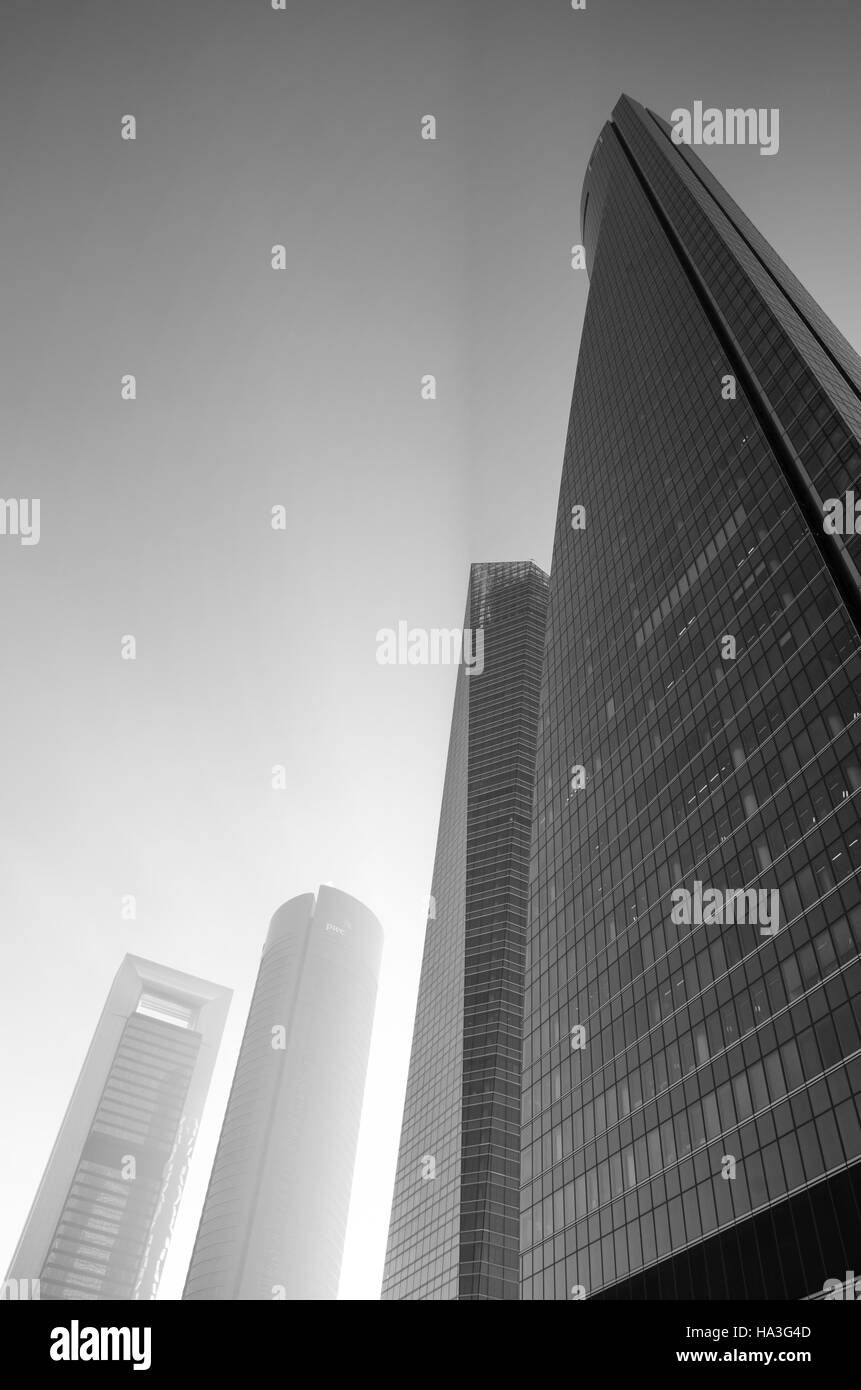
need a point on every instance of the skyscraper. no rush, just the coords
(453, 1231)
(275, 1213)
(102, 1218)
(691, 1124)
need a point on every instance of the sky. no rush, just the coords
(301, 388)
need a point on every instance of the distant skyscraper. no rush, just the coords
(276, 1209)
(454, 1224)
(102, 1218)
(703, 669)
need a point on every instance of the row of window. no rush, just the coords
(815, 1132)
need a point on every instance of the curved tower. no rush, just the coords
(275, 1212)
(692, 1081)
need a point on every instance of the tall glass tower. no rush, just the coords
(691, 1123)
(275, 1213)
(453, 1231)
(101, 1221)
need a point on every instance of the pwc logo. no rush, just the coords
(338, 931)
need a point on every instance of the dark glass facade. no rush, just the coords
(710, 1042)
(454, 1223)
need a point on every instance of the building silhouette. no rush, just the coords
(102, 1218)
(454, 1222)
(275, 1213)
(699, 1138)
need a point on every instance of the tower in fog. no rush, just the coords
(454, 1222)
(275, 1213)
(102, 1218)
(691, 1122)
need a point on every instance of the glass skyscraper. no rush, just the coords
(102, 1219)
(691, 1090)
(454, 1223)
(275, 1213)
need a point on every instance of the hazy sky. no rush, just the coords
(301, 388)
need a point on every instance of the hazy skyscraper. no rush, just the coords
(276, 1208)
(692, 1076)
(453, 1232)
(102, 1218)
